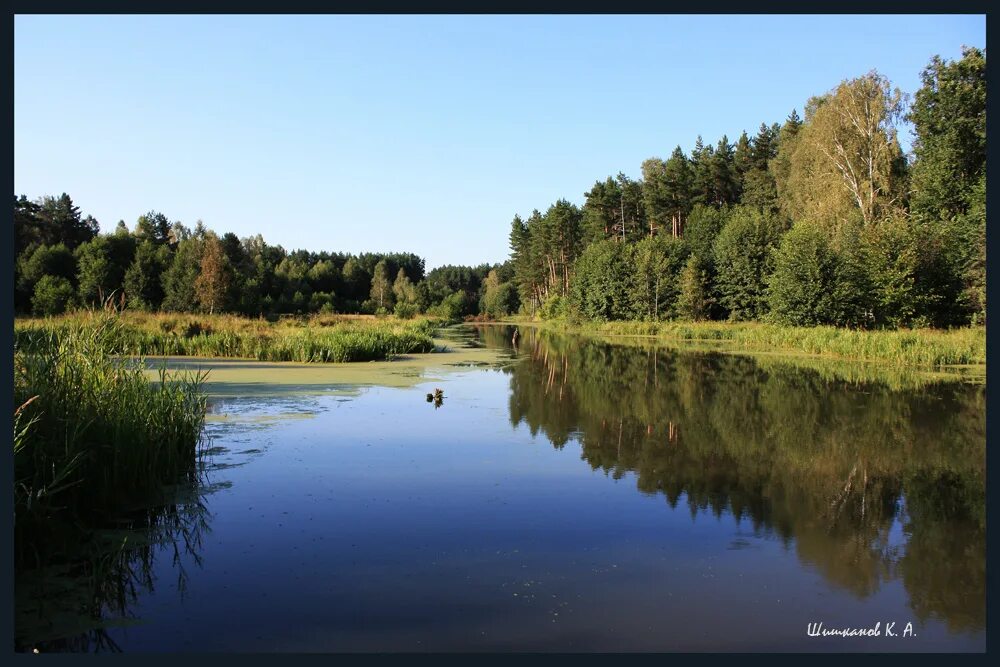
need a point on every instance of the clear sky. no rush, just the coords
(423, 134)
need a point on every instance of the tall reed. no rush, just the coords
(93, 437)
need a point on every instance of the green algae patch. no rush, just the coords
(244, 378)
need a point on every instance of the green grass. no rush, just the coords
(93, 437)
(918, 347)
(317, 339)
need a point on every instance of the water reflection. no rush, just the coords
(72, 597)
(868, 479)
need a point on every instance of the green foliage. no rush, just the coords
(381, 291)
(214, 282)
(52, 295)
(208, 336)
(143, 288)
(845, 161)
(453, 307)
(94, 437)
(49, 260)
(404, 310)
(743, 259)
(656, 265)
(178, 279)
(602, 288)
(949, 120)
(913, 284)
(702, 228)
(906, 347)
(499, 298)
(694, 294)
(810, 284)
(101, 266)
(555, 307)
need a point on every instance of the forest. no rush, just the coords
(819, 219)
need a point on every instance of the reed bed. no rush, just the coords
(93, 437)
(320, 339)
(918, 347)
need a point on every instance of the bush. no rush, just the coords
(912, 280)
(555, 307)
(405, 311)
(52, 295)
(805, 274)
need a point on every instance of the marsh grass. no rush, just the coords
(92, 435)
(317, 339)
(98, 447)
(917, 347)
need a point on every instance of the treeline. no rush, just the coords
(63, 262)
(818, 220)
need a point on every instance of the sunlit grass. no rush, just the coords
(920, 347)
(92, 435)
(323, 338)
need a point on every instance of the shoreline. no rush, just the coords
(918, 349)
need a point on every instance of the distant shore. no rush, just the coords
(965, 346)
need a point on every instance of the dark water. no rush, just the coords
(578, 496)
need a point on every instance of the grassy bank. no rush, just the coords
(918, 347)
(314, 339)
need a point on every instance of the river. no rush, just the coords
(567, 494)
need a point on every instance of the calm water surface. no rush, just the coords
(574, 495)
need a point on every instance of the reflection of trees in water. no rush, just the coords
(71, 601)
(804, 456)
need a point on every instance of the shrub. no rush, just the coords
(52, 295)
(405, 311)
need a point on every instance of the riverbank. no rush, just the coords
(911, 347)
(321, 338)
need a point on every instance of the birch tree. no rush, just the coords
(846, 161)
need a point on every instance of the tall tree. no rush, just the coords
(179, 278)
(702, 182)
(143, 289)
(846, 160)
(153, 227)
(724, 177)
(948, 178)
(212, 285)
(743, 158)
(403, 289)
(603, 209)
(381, 290)
(949, 123)
(61, 219)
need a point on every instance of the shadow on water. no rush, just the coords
(866, 481)
(69, 598)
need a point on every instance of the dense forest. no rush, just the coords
(63, 262)
(817, 220)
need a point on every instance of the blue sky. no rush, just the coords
(423, 134)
